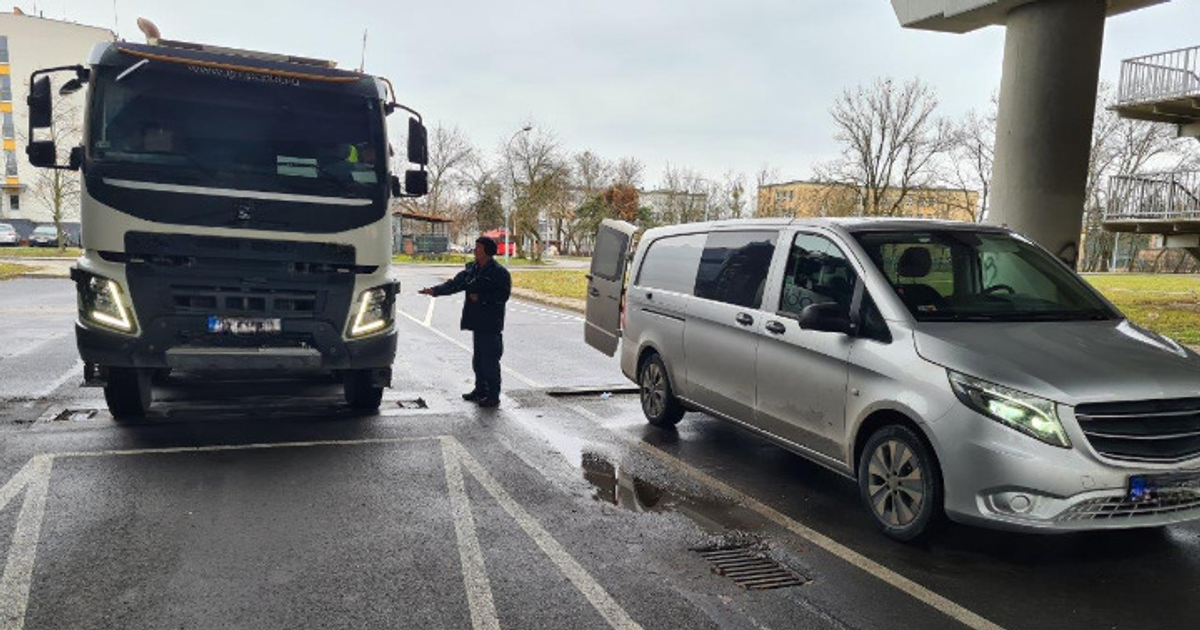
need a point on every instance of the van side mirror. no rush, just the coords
(826, 318)
(418, 143)
(39, 102)
(416, 183)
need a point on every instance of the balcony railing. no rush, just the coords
(1154, 197)
(1159, 77)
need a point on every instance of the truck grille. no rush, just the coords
(240, 301)
(1145, 431)
(1109, 508)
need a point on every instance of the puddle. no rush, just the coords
(613, 485)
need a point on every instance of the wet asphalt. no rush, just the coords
(265, 503)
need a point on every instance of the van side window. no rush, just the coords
(670, 263)
(816, 273)
(734, 266)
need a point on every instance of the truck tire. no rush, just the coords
(360, 390)
(128, 392)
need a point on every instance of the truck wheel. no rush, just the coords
(360, 390)
(900, 483)
(128, 392)
(659, 404)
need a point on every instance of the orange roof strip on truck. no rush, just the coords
(229, 66)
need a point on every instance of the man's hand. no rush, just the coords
(426, 291)
(474, 297)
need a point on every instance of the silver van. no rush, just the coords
(951, 369)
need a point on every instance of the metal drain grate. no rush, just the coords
(74, 415)
(413, 403)
(750, 569)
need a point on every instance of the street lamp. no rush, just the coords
(508, 209)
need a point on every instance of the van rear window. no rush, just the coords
(670, 263)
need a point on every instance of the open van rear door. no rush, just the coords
(606, 285)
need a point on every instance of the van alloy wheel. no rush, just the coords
(659, 404)
(896, 483)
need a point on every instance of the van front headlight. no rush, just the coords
(103, 302)
(1033, 416)
(376, 310)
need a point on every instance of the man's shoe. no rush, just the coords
(489, 402)
(472, 396)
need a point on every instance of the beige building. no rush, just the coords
(29, 43)
(820, 199)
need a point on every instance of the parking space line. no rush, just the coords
(76, 370)
(520, 377)
(922, 594)
(429, 313)
(241, 447)
(570, 568)
(18, 570)
(475, 578)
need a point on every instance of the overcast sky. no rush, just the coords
(697, 83)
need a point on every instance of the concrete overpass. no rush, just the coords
(1047, 101)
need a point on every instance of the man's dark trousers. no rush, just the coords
(488, 348)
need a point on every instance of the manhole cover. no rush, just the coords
(750, 569)
(74, 415)
(413, 403)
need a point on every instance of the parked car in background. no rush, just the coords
(44, 236)
(949, 368)
(9, 236)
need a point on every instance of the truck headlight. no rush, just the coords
(103, 302)
(1033, 416)
(376, 309)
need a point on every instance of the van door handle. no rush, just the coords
(594, 292)
(649, 295)
(744, 319)
(776, 327)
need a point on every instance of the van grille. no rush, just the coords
(1145, 431)
(1109, 508)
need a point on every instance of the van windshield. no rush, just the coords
(951, 275)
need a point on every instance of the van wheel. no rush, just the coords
(659, 403)
(361, 393)
(128, 392)
(900, 483)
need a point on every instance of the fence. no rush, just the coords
(1161, 76)
(1172, 196)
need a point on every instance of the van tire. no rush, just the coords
(659, 404)
(897, 473)
(128, 392)
(360, 390)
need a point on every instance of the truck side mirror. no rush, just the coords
(42, 153)
(418, 143)
(39, 104)
(76, 159)
(70, 87)
(416, 183)
(397, 191)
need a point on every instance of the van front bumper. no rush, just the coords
(999, 478)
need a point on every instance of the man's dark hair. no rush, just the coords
(489, 246)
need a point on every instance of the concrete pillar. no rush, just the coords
(1044, 125)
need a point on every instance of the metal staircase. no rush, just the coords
(1165, 88)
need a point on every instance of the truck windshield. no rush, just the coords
(253, 135)
(951, 275)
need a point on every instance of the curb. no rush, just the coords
(578, 306)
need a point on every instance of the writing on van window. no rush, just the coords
(670, 263)
(816, 273)
(733, 267)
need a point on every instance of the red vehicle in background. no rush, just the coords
(504, 246)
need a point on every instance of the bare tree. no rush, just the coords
(1120, 146)
(59, 189)
(629, 172)
(539, 177)
(451, 154)
(687, 195)
(733, 195)
(764, 201)
(890, 140)
(971, 158)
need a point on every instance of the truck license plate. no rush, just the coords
(243, 325)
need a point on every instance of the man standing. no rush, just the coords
(487, 285)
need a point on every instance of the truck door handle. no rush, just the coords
(744, 319)
(594, 292)
(776, 327)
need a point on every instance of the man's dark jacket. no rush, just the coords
(492, 284)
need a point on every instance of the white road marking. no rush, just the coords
(429, 313)
(75, 371)
(475, 578)
(916, 591)
(520, 377)
(570, 568)
(240, 447)
(18, 570)
(16, 484)
(540, 309)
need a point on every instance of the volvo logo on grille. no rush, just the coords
(243, 210)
